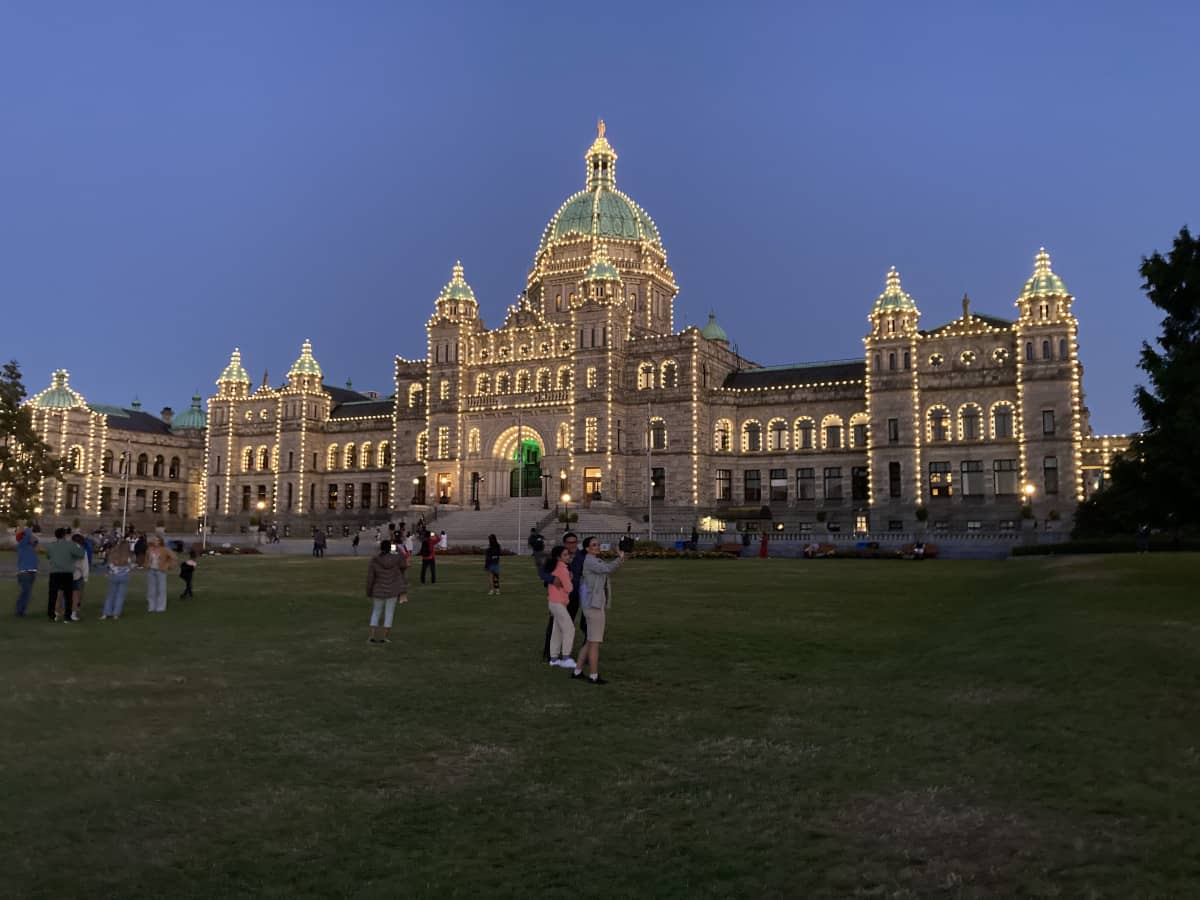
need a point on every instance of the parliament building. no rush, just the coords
(589, 388)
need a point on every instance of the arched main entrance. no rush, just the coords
(522, 448)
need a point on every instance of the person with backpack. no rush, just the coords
(491, 564)
(429, 557)
(537, 546)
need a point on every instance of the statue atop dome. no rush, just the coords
(599, 128)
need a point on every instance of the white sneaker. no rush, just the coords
(554, 663)
(74, 617)
(567, 663)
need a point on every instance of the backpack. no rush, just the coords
(537, 543)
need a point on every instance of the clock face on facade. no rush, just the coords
(937, 360)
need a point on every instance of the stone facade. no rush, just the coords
(587, 389)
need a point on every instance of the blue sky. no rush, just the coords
(177, 179)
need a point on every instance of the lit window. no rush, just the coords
(940, 479)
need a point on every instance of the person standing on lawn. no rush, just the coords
(119, 559)
(387, 585)
(558, 591)
(61, 556)
(79, 576)
(596, 597)
(575, 567)
(491, 564)
(27, 567)
(429, 557)
(187, 572)
(159, 561)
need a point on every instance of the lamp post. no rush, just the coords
(546, 476)
(416, 483)
(566, 499)
(37, 514)
(261, 505)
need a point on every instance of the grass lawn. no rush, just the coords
(772, 729)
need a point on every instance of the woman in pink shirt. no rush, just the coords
(562, 638)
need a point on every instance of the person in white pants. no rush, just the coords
(386, 585)
(159, 560)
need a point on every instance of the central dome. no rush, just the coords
(601, 210)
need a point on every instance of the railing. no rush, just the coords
(493, 401)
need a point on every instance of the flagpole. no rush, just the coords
(649, 475)
(520, 474)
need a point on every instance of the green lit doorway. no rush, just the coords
(525, 479)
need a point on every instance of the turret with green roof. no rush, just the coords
(59, 395)
(192, 417)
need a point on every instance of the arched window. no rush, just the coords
(723, 436)
(483, 384)
(385, 454)
(670, 374)
(1002, 419)
(503, 383)
(522, 381)
(658, 434)
(777, 435)
(859, 424)
(473, 442)
(174, 471)
(1045, 349)
(366, 456)
(332, 457)
(564, 378)
(562, 437)
(831, 433)
(892, 362)
(416, 394)
(543, 379)
(752, 436)
(264, 459)
(907, 359)
(970, 422)
(645, 376)
(937, 424)
(106, 462)
(1062, 348)
(1029, 350)
(248, 459)
(160, 466)
(878, 364)
(75, 459)
(423, 446)
(350, 455)
(804, 434)
(143, 464)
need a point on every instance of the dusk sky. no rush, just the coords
(179, 179)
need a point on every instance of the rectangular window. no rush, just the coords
(381, 494)
(658, 484)
(333, 497)
(173, 503)
(806, 436)
(591, 430)
(893, 431)
(444, 390)
(365, 500)
(314, 462)
(443, 447)
(1002, 422)
(833, 483)
(245, 497)
(972, 477)
(860, 435)
(833, 437)
(291, 491)
(806, 485)
(139, 500)
(895, 524)
(724, 484)
(974, 525)
(218, 472)
(1004, 477)
(291, 461)
(940, 479)
(156, 501)
(72, 501)
(105, 499)
(893, 479)
(752, 485)
(1047, 421)
(350, 496)
(860, 484)
(1050, 474)
(779, 484)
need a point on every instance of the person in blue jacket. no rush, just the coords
(27, 567)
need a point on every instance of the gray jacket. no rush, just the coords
(596, 592)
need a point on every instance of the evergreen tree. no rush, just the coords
(1158, 481)
(25, 459)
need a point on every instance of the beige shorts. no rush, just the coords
(595, 624)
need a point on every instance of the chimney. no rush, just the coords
(167, 414)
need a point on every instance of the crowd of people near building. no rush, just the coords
(73, 558)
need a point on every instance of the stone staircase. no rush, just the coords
(510, 521)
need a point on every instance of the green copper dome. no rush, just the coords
(713, 331)
(306, 364)
(59, 395)
(601, 268)
(458, 289)
(1043, 282)
(893, 298)
(234, 371)
(192, 417)
(601, 210)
